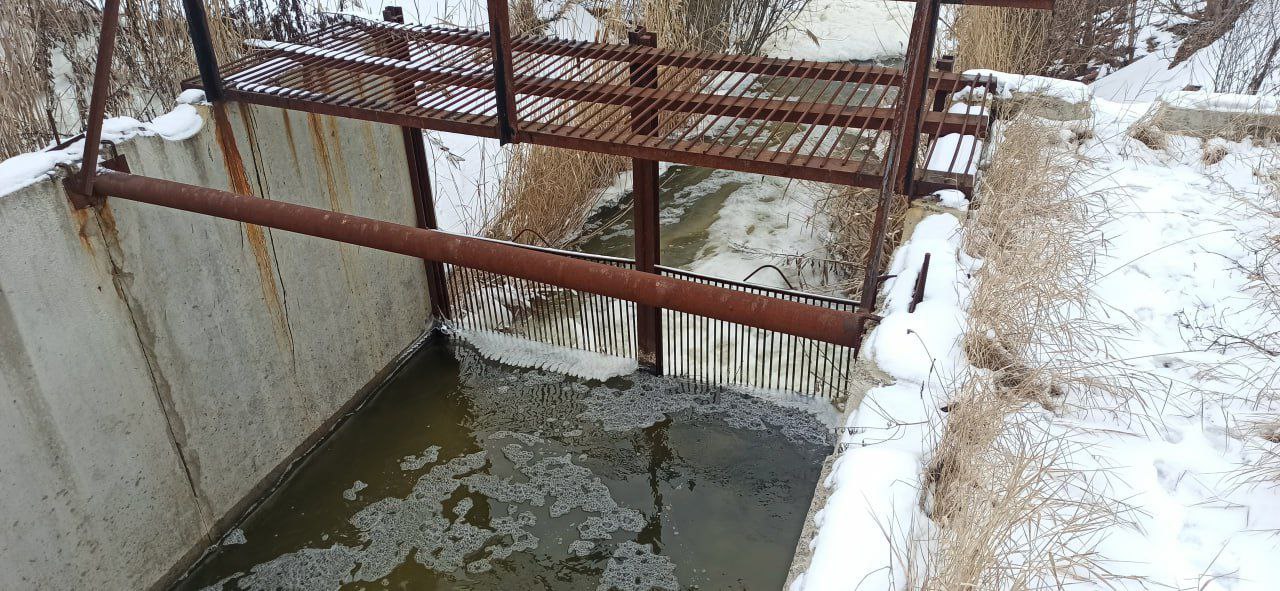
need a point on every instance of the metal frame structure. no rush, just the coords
(633, 100)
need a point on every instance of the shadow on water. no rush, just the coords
(465, 474)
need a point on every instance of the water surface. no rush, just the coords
(465, 474)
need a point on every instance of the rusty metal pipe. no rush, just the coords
(98, 96)
(802, 320)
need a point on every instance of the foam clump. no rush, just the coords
(634, 567)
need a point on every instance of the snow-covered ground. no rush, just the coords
(1171, 453)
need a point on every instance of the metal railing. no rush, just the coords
(701, 349)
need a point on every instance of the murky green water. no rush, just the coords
(464, 474)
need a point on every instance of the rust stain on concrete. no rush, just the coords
(81, 218)
(257, 237)
(316, 126)
(288, 134)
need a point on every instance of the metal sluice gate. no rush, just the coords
(702, 349)
(900, 131)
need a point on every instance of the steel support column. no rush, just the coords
(80, 190)
(914, 93)
(899, 162)
(504, 86)
(202, 41)
(644, 195)
(424, 207)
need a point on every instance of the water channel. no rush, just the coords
(464, 474)
(461, 473)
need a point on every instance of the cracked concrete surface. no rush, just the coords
(157, 366)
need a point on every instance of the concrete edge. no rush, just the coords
(273, 479)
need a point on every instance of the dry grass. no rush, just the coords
(1013, 508)
(47, 51)
(848, 213)
(550, 191)
(1035, 229)
(1077, 37)
(1004, 39)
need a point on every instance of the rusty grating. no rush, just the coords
(723, 111)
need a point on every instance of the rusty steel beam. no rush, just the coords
(802, 320)
(98, 99)
(504, 92)
(899, 159)
(818, 168)
(424, 205)
(645, 207)
(911, 99)
(202, 45)
(743, 64)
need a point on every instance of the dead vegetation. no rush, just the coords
(1076, 38)
(47, 50)
(1013, 509)
(847, 214)
(550, 191)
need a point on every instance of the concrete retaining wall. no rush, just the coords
(158, 367)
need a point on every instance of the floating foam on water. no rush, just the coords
(521, 352)
(234, 537)
(350, 493)
(416, 462)
(634, 567)
(438, 525)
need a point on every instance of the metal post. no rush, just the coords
(202, 42)
(946, 63)
(644, 194)
(424, 207)
(504, 87)
(915, 88)
(899, 162)
(83, 197)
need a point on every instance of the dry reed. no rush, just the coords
(1012, 507)
(1004, 39)
(47, 50)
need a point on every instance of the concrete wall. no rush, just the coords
(157, 367)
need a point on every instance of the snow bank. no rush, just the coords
(955, 153)
(179, 124)
(866, 524)
(1007, 85)
(1223, 102)
(842, 30)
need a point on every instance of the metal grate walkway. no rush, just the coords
(817, 121)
